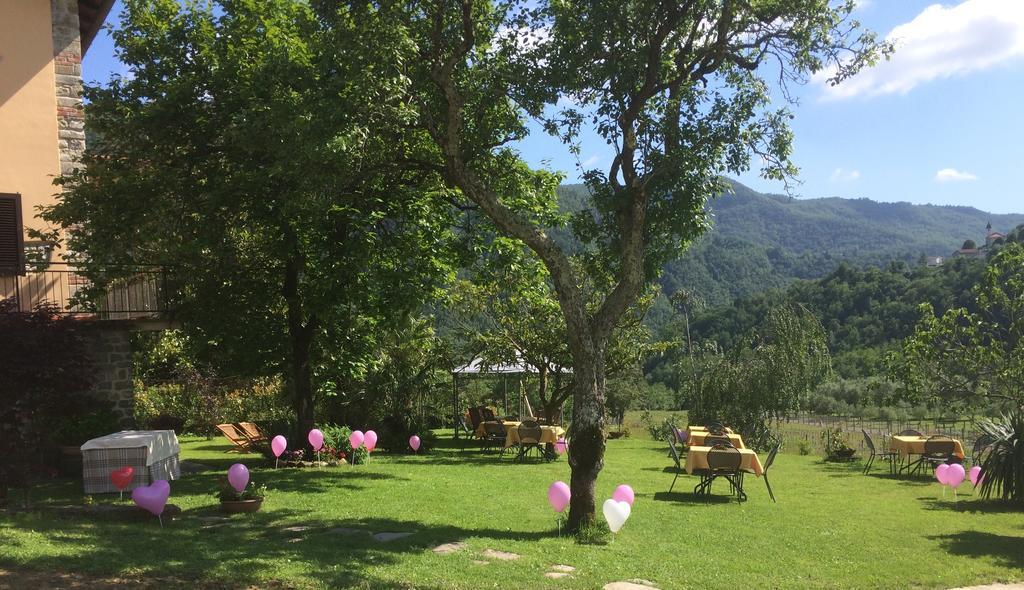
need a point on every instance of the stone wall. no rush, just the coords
(67, 64)
(111, 351)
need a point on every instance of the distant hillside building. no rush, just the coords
(991, 238)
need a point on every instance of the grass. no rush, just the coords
(832, 528)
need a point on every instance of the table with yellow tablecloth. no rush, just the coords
(693, 428)
(697, 437)
(549, 435)
(697, 460)
(480, 433)
(906, 446)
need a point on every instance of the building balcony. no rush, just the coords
(89, 292)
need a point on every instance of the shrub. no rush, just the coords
(47, 376)
(836, 447)
(76, 430)
(1002, 461)
(660, 431)
(803, 447)
(195, 408)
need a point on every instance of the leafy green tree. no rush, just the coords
(968, 245)
(969, 359)
(506, 310)
(252, 152)
(770, 376)
(681, 91)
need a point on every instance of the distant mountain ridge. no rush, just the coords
(762, 241)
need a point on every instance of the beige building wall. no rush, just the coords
(29, 152)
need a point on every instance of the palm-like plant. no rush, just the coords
(1002, 462)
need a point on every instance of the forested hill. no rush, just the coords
(764, 241)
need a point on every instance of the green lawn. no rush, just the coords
(832, 527)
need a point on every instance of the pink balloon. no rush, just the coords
(955, 475)
(152, 498)
(238, 477)
(355, 439)
(316, 439)
(940, 473)
(561, 446)
(414, 442)
(370, 440)
(278, 444)
(975, 475)
(623, 493)
(558, 495)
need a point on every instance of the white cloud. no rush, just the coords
(589, 162)
(953, 175)
(940, 42)
(841, 175)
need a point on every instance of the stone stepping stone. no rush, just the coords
(556, 575)
(214, 525)
(479, 562)
(386, 537)
(297, 529)
(450, 547)
(502, 555)
(563, 568)
(630, 585)
(296, 539)
(213, 519)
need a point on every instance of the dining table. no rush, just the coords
(697, 437)
(697, 460)
(906, 447)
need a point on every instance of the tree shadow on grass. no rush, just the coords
(1007, 550)
(337, 553)
(969, 503)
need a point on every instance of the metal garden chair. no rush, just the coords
(889, 456)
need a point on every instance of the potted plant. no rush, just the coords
(248, 500)
(836, 448)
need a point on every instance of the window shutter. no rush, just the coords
(12, 240)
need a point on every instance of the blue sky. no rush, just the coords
(940, 123)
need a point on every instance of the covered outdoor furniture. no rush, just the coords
(889, 456)
(726, 462)
(153, 454)
(697, 460)
(236, 436)
(906, 447)
(549, 435)
(699, 437)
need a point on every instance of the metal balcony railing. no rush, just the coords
(89, 291)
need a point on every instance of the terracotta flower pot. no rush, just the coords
(236, 506)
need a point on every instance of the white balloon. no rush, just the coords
(615, 513)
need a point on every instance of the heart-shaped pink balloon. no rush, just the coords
(152, 498)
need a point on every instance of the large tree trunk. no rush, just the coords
(586, 450)
(300, 336)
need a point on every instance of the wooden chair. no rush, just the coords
(476, 416)
(236, 436)
(254, 433)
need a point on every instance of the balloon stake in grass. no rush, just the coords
(955, 476)
(122, 478)
(616, 513)
(316, 440)
(370, 442)
(559, 496)
(277, 446)
(355, 440)
(153, 498)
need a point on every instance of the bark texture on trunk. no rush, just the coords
(587, 443)
(300, 336)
